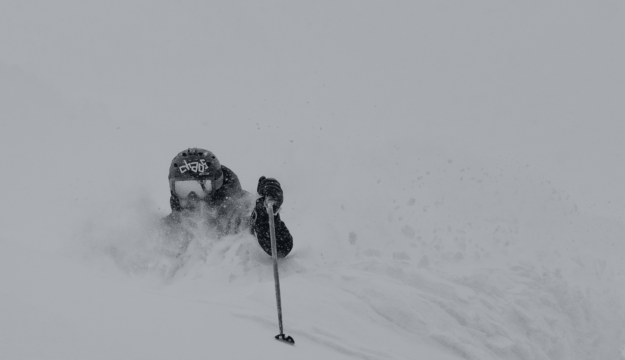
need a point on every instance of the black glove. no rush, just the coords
(268, 187)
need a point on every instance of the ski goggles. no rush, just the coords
(184, 188)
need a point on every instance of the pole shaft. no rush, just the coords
(274, 255)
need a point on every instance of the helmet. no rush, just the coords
(196, 164)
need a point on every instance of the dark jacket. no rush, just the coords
(232, 210)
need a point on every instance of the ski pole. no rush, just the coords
(274, 254)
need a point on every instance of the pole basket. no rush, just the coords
(285, 339)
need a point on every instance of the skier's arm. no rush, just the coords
(260, 228)
(268, 187)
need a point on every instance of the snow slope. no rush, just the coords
(485, 265)
(451, 179)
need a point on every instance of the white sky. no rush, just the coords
(108, 92)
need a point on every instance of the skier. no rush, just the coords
(203, 188)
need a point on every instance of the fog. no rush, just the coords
(346, 103)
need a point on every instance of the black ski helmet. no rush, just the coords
(198, 164)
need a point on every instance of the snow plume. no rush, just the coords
(478, 257)
(127, 235)
(471, 259)
(132, 239)
(484, 258)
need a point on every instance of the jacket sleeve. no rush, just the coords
(260, 228)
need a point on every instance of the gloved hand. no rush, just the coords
(269, 187)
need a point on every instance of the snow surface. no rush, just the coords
(451, 172)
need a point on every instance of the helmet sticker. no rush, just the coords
(197, 167)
